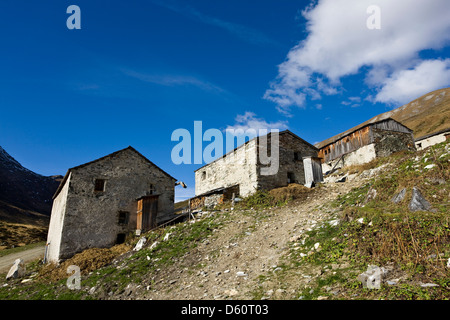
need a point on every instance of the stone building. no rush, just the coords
(432, 139)
(241, 169)
(98, 203)
(377, 137)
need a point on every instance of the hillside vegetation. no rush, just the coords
(290, 243)
(427, 114)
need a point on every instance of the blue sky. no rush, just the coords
(138, 70)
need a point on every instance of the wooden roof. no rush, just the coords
(376, 119)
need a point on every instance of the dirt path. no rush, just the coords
(247, 247)
(28, 255)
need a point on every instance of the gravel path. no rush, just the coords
(28, 255)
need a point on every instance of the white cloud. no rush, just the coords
(249, 120)
(339, 44)
(406, 85)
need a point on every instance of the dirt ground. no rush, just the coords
(239, 253)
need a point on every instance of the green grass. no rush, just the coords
(136, 268)
(20, 249)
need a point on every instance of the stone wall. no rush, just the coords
(243, 167)
(236, 167)
(388, 142)
(291, 153)
(92, 218)
(430, 141)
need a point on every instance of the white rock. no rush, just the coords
(166, 237)
(154, 245)
(430, 166)
(140, 244)
(241, 274)
(334, 223)
(316, 246)
(360, 220)
(231, 292)
(448, 263)
(428, 285)
(17, 270)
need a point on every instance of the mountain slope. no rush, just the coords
(25, 196)
(428, 114)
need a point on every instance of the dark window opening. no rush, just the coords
(123, 217)
(290, 177)
(296, 155)
(99, 185)
(120, 238)
(419, 145)
(152, 189)
(203, 175)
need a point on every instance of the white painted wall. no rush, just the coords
(428, 142)
(362, 155)
(57, 222)
(237, 167)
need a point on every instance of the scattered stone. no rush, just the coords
(226, 271)
(316, 246)
(153, 246)
(430, 166)
(448, 263)
(428, 285)
(231, 292)
(393, 282)
(372, 277)
(140, 244)
(418, 202)
(322, 298)
(17, 270)
(241, 274)
(360, 220)
(334, 223)
(371, 195)
(399, 196)
(343, 179)
(166, 237)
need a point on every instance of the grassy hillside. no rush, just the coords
(290, 243)
(427, 114)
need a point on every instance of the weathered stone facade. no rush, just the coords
(243, 166)
(83, 217)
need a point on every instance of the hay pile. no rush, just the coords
(293, 191)
(88, 260)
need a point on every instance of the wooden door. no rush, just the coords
(146, 213)
(139, 214)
